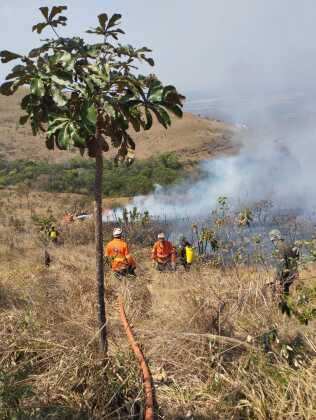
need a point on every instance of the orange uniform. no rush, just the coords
(163, 252)
(117, 249)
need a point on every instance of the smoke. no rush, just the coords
(276, 160)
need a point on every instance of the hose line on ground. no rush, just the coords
(149, 409)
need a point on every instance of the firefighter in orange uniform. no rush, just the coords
(116, 252)
(164, 254)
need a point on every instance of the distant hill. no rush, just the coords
(193, 138)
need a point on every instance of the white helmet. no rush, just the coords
(117, 232)
(161, 235)
(275, 235)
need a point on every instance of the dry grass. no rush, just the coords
(192, 138)
(201, 333)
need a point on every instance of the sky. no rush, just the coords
(202, 46)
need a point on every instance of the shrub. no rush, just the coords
(77, 175)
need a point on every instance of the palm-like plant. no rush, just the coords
(88, 96)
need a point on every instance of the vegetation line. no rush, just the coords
(149, 410)
(77, 175)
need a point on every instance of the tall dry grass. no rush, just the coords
(216, 342)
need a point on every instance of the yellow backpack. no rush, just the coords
(189, 253)
(53, 234)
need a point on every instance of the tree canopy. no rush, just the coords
(74, 86)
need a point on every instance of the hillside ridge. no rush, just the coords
(193, 138)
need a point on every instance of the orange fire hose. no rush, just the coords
(149, 409)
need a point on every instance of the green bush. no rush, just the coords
(77, 175)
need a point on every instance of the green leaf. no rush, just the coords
(7, 56)
(143, 50)
(55, 124)
(93, 50)
(90, 114)
(162, 116)
(78, 140)
(56, 10)
(17, 71)
(155, 91)
(25, 101)
(44, 11)
(59, 97)
(149, 118)
(175, 109)
(8, 88)
(150, 61)
(37, 87)
(61, 81)
(114, 20)
(39, 27)
(103, 18)
(36, 52)
(64, 138)
(23, 119)
(64, 58)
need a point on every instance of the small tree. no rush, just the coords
(87, 96)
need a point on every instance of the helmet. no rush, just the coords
(161, 235)
(275, 235)
(117, 232)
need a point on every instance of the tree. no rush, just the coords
(87, 96)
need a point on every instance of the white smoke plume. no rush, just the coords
(276, 161)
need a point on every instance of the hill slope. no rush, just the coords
(193, 138)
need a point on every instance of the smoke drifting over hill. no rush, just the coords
(276, 161)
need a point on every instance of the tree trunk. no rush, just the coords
(99, 243)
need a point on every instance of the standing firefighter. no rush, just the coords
(185, 253)
(287, 256)
(163, 254)
(53, 234)
(116, 251)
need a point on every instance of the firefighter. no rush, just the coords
(185, 253)
(53, 234)
(117, 254)
(287, 256)
(163, 254)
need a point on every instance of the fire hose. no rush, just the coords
(149, 407)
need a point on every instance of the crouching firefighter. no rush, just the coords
(185, 253)
(163, 254)
(117, 254)
(287, 256)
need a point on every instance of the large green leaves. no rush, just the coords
(107, 27)
(75, 86)
(65, 132)
(50, 18)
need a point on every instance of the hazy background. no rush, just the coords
(204, 46)
(249, 62)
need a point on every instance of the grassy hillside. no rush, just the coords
(192, 138)
(215, 340)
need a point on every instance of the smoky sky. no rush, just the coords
(202, 46)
